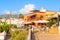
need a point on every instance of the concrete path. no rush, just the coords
(7, 37)
(37, 35)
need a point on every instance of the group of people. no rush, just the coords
(43, 28)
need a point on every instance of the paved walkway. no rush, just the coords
(7, 37)
(36, 35)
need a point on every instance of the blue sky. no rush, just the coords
(16, 5)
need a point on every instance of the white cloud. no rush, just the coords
(27, 8)
(9, 12)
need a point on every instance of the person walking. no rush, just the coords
(47, 29)
(32, 27)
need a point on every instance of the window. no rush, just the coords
(41, 17)
(33, 16)
(46, 14)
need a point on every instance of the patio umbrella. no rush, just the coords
(41, 21)
(27, 22)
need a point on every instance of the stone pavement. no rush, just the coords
(7, 37)
(37, 35)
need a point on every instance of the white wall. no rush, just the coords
(2, 35)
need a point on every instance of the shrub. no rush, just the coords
(14, 26)
(1, 30)
(51, 22)
(4, 27)
(14, 34)
(21, 35)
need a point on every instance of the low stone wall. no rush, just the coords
(2, 35)
(29, 35)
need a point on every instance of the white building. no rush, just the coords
(18, 22)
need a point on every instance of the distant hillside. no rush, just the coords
(8, 16)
